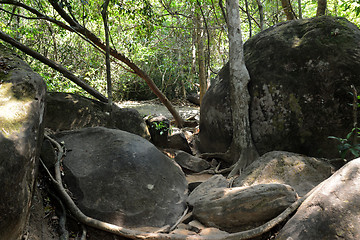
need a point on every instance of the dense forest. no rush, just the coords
(179, 45)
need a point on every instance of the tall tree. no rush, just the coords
(247, 10)
(321, 8)
(261, 14)
(242, 148)
(200, 53)
(300, 9)
(288, 10)
(107, 53)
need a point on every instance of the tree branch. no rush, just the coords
(37, 13)
(58, 67)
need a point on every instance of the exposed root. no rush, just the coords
(223, 156)
(215, 170)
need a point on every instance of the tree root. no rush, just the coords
(133, 234)
(64, 234)
(223, 156)
(215, 170)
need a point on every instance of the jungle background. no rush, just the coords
(179, 44)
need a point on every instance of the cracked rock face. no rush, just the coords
(301, 75)
(123, 179)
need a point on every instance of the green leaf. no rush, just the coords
(349, 134)
(354, 152)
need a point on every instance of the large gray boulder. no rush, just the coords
(22, 98)
(67, 111)
(332, 211)
(242, 208)
(301, 72)
(300, 172)
(121, 178)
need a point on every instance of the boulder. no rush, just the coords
(331, 211)
(241, 208)
(123, 179)
(67, 111)
(215, 182)
(300, 172)
(194, 98)
(178, 141)
(159, 127)
(190, 162)
(301, 72)
(22, 103)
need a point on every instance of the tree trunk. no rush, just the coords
(321, 8)
(107, 54)
(300, 9)
(201, 56)
(53, 65)
(242, 149)
(248, 17)
(289, 12)
(261, 13)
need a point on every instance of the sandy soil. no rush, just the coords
(154, 107)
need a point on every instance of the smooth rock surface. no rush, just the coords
(332, 211)
(206, 187)
(178, 141)
(121, 178)
(238, 209)
(190, 162)
(66, 111)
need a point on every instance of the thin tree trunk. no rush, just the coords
(201, 56)
(58, 67)
(248, 16)
(193, 56)
(242, 148)
(107, 54)
(261, 13)
(288, 10)
(300, 9)
(321, 9)
(181, 73)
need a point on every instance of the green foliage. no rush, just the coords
(158, 36)
(349, 144)
(162, 127)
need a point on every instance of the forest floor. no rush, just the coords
(155, 107)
